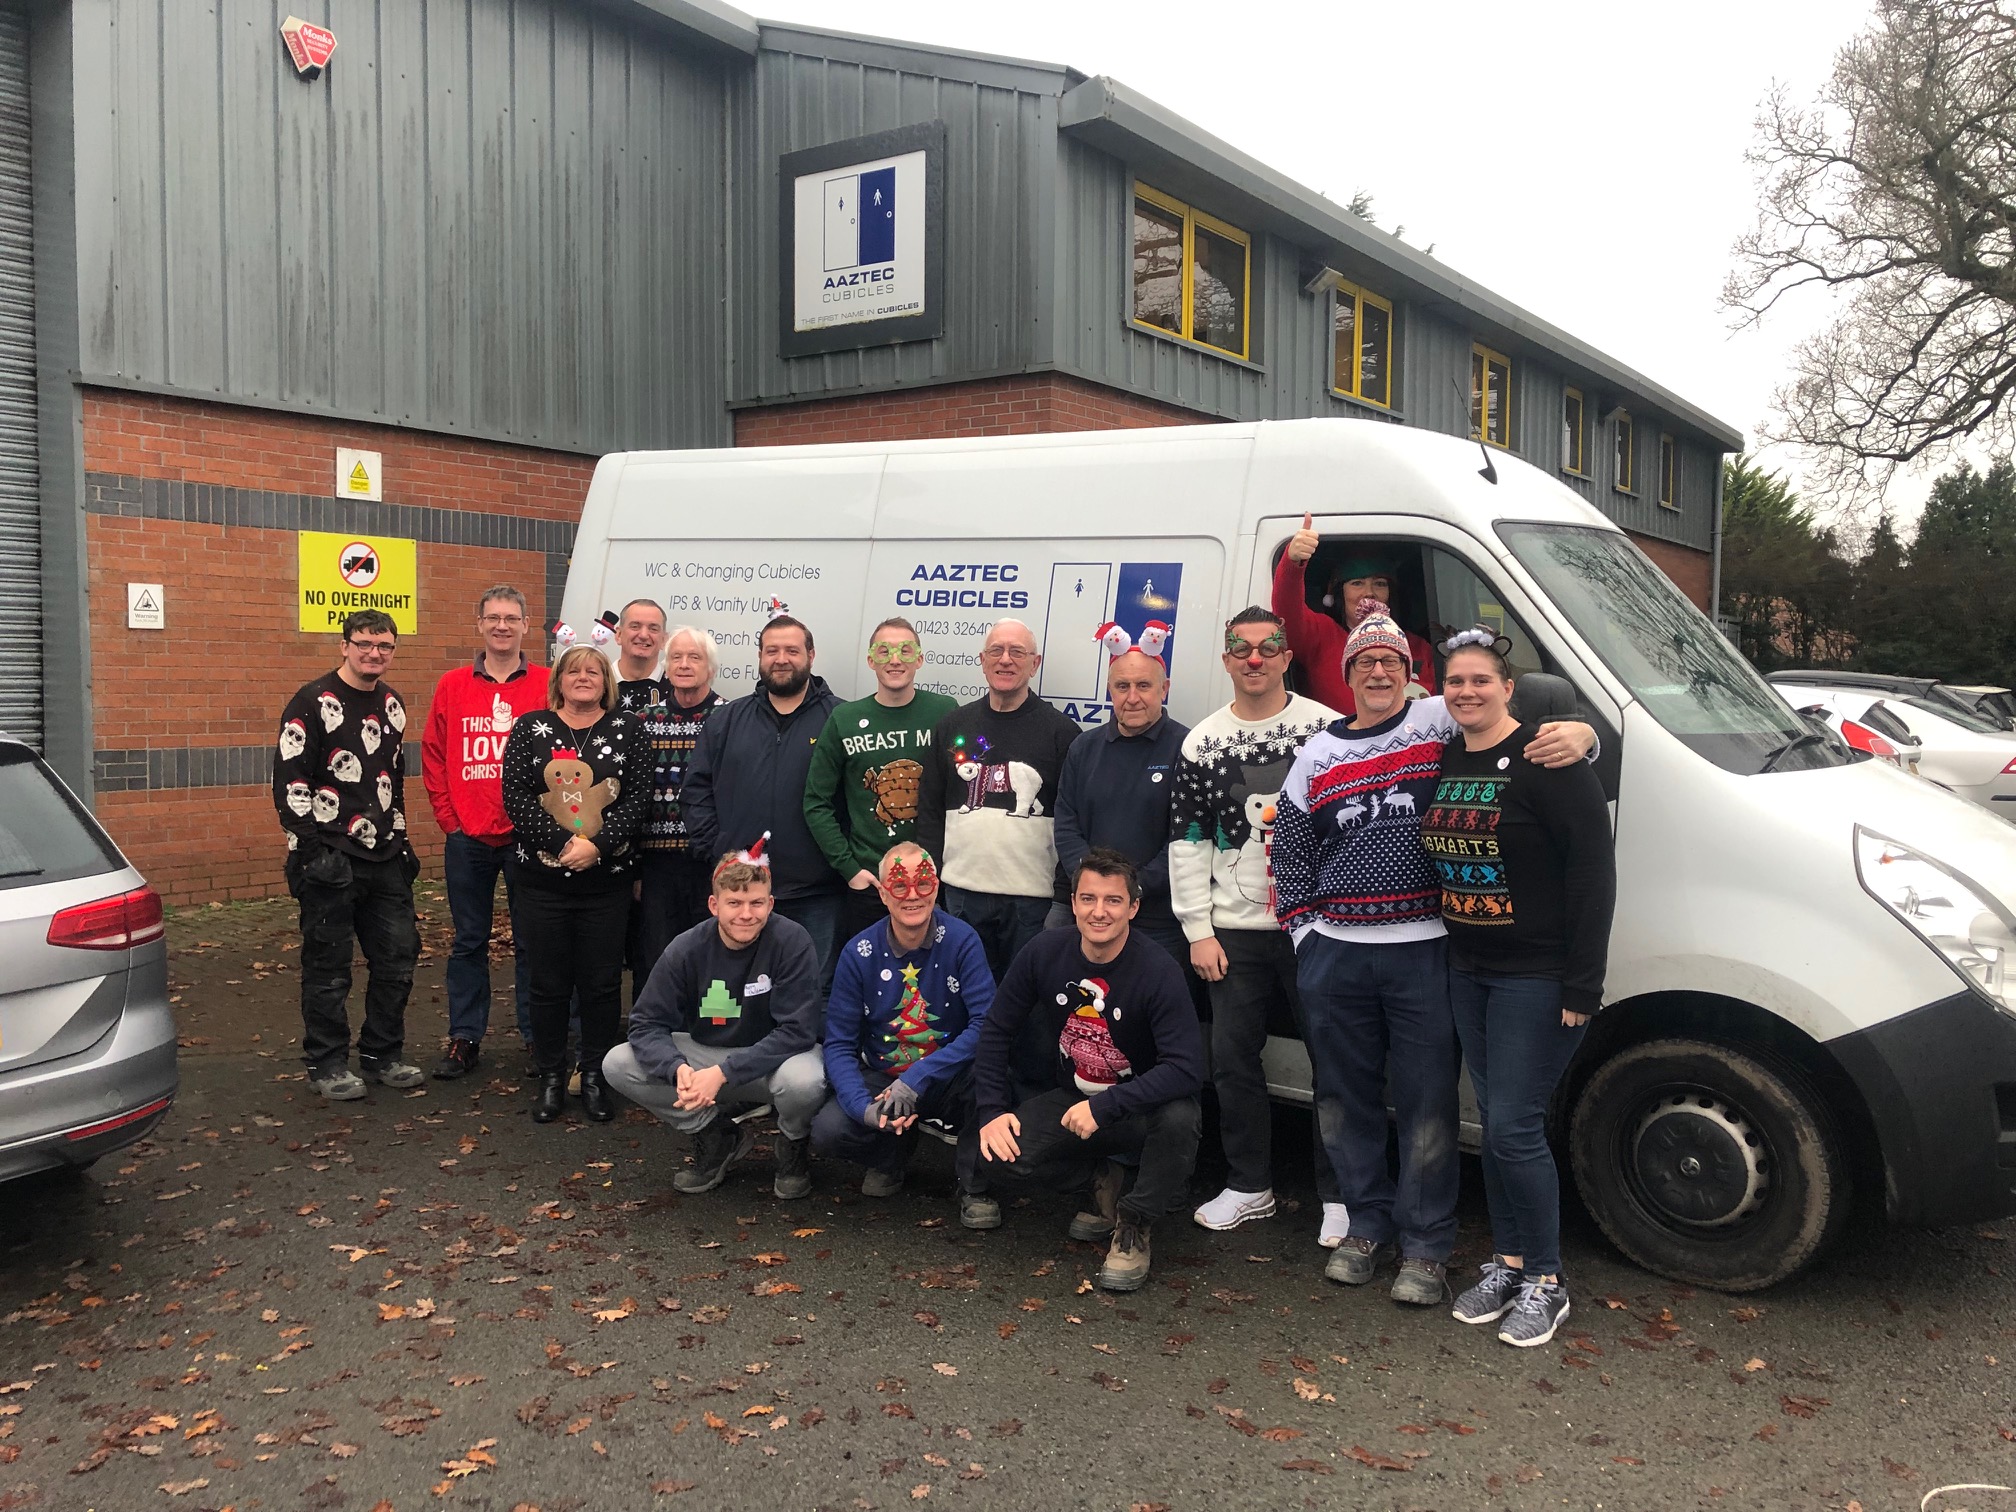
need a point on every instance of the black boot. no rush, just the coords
(595, 1097)
(552, 1096)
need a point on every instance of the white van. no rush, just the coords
(1810, 995)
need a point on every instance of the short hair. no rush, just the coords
(1104, 861)
(624, 612)
(1254, 614)
(900, 848)
(705, 641)
(571, 658)
(1007, 619)
(896, 622)
(1154, 661)
(497, 591)
(733, 874)
(369, 620)
(785, 622)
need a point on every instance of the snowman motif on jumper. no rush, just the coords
(372, 733)
(395, 713)
(293, 739)
(385, 790)
(299, 799)
(345, 767)
(332, 711)
(1086, 1040)
(364, 832)
(325, 805)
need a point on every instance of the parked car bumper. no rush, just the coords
(69, 1112)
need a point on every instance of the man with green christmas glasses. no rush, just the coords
(861, 794)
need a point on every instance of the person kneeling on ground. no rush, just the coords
(910, 994)
(730, 1014)
(1130, 1062)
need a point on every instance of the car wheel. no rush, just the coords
(1709, 1164)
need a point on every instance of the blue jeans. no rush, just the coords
(472, 869)
(819, 915)
(1516, 1048)
(1376, 1019)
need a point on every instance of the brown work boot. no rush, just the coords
(1098, 1224)
(1126, 1267)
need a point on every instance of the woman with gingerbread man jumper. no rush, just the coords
(576, 806)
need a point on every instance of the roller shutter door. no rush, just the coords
(20, 493)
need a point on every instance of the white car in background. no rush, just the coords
(1965, 753)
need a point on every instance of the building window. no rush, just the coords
(1361, 351)
(1626, 479)
(1669, 473)
(1572, 434)
(1192, 274)
(1490, 396)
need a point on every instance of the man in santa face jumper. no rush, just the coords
(462, 765)
(1357, 892)
(1128, 1065)
(909, 996)
(339, 790)
(1227, 777)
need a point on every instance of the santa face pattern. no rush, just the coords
(337, 775)
(370, 732)
(385, 790)
(293, 739)
(345, 766)
(326, 805)
(331, 709)
(299, 799)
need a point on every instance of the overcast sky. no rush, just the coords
(1583, 160)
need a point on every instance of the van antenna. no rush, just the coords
(1489, 471)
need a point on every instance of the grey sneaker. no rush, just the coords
(1492, 1297)
(1098, 1223)
(1540, 1307)
(881, 1183)
(391, 1073)
(337, 1084)
(977, 1210)
(1354, 1261)
(1419, 1282)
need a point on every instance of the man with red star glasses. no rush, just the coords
(910, 993)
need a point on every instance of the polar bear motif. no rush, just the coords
(299, 799)
(293, 739)
(372, 733)
(325, 805)
(363, 831)
(385, 790)
(345, 767)
(332, 712)
(395, 713)
(1016, 778)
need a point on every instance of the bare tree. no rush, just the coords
(1895, 191)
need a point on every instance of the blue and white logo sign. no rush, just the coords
(859, 244)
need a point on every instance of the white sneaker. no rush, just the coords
(1336, 1225)
(1231, 1207)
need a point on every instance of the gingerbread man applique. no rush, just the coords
(573, 797)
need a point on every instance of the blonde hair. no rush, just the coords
(571, 658)
(732, 875)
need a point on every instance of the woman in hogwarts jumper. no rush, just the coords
(576, 800)
(1528, 876)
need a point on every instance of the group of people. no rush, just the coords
(902, 917)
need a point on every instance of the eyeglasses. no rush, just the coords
(374, 648)
(1268, 650)
(1017, 654)
(884, 652)
(1380, 663)
(494, 621)
(904, 884)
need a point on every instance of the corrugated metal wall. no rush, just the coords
(21, 630)
(497, 216)
(1001, 133)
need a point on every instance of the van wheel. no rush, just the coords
(1709, 1164)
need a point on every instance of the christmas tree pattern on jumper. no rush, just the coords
(719, 1005)
(914, 1031)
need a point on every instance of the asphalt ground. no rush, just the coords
(426, 1300)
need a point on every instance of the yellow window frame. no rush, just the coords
(1193, 218)
(1580, 452)
(1626, 480)
(1361, 297)
(1480, 407)
(1669, 471)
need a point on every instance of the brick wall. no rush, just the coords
(1021, 405)
(191, 496)
(1693, 570)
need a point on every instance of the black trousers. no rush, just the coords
(574, 947)
(671, 898)
(1165, 1138)
(1259, 972)
(949, 1102)
(373, 912)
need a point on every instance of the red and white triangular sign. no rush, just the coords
(309, 45)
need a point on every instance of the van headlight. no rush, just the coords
(1956, 917)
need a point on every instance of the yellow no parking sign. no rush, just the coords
(341, 573)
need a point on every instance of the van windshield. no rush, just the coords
(1664, 650)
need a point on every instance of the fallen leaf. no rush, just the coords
(1318, 1467)
(1754, 1364)
(945, 1370)
(1218, 1386)
(1418, 1428)
(1902, 1472)
(775, 1288)
(918, 1493)
(1373, 1461)
(343, 1451)
(1006, 1330)
(1746, 1314)
(759, 1410)
(897, 1410)
(1306, 1389)
(1111, 1383)
(1280, 1435)
(1453, 1426)
(1009, 1429)
(671, 1487)
(1802, 1407)
(805, 1233)
(183, 1488)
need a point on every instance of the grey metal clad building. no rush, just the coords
(486, 241)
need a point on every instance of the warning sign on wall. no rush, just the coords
(360, 475)
(341, 573)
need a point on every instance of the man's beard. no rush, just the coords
(787, 681)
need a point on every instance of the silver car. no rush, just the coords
(87, 1042)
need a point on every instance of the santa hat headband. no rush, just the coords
(1154, 636)
(756, 855)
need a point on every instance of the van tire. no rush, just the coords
(1709, 1164)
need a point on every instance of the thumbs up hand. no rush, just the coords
(1302, 545)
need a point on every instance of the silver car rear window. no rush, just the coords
(44, 835)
